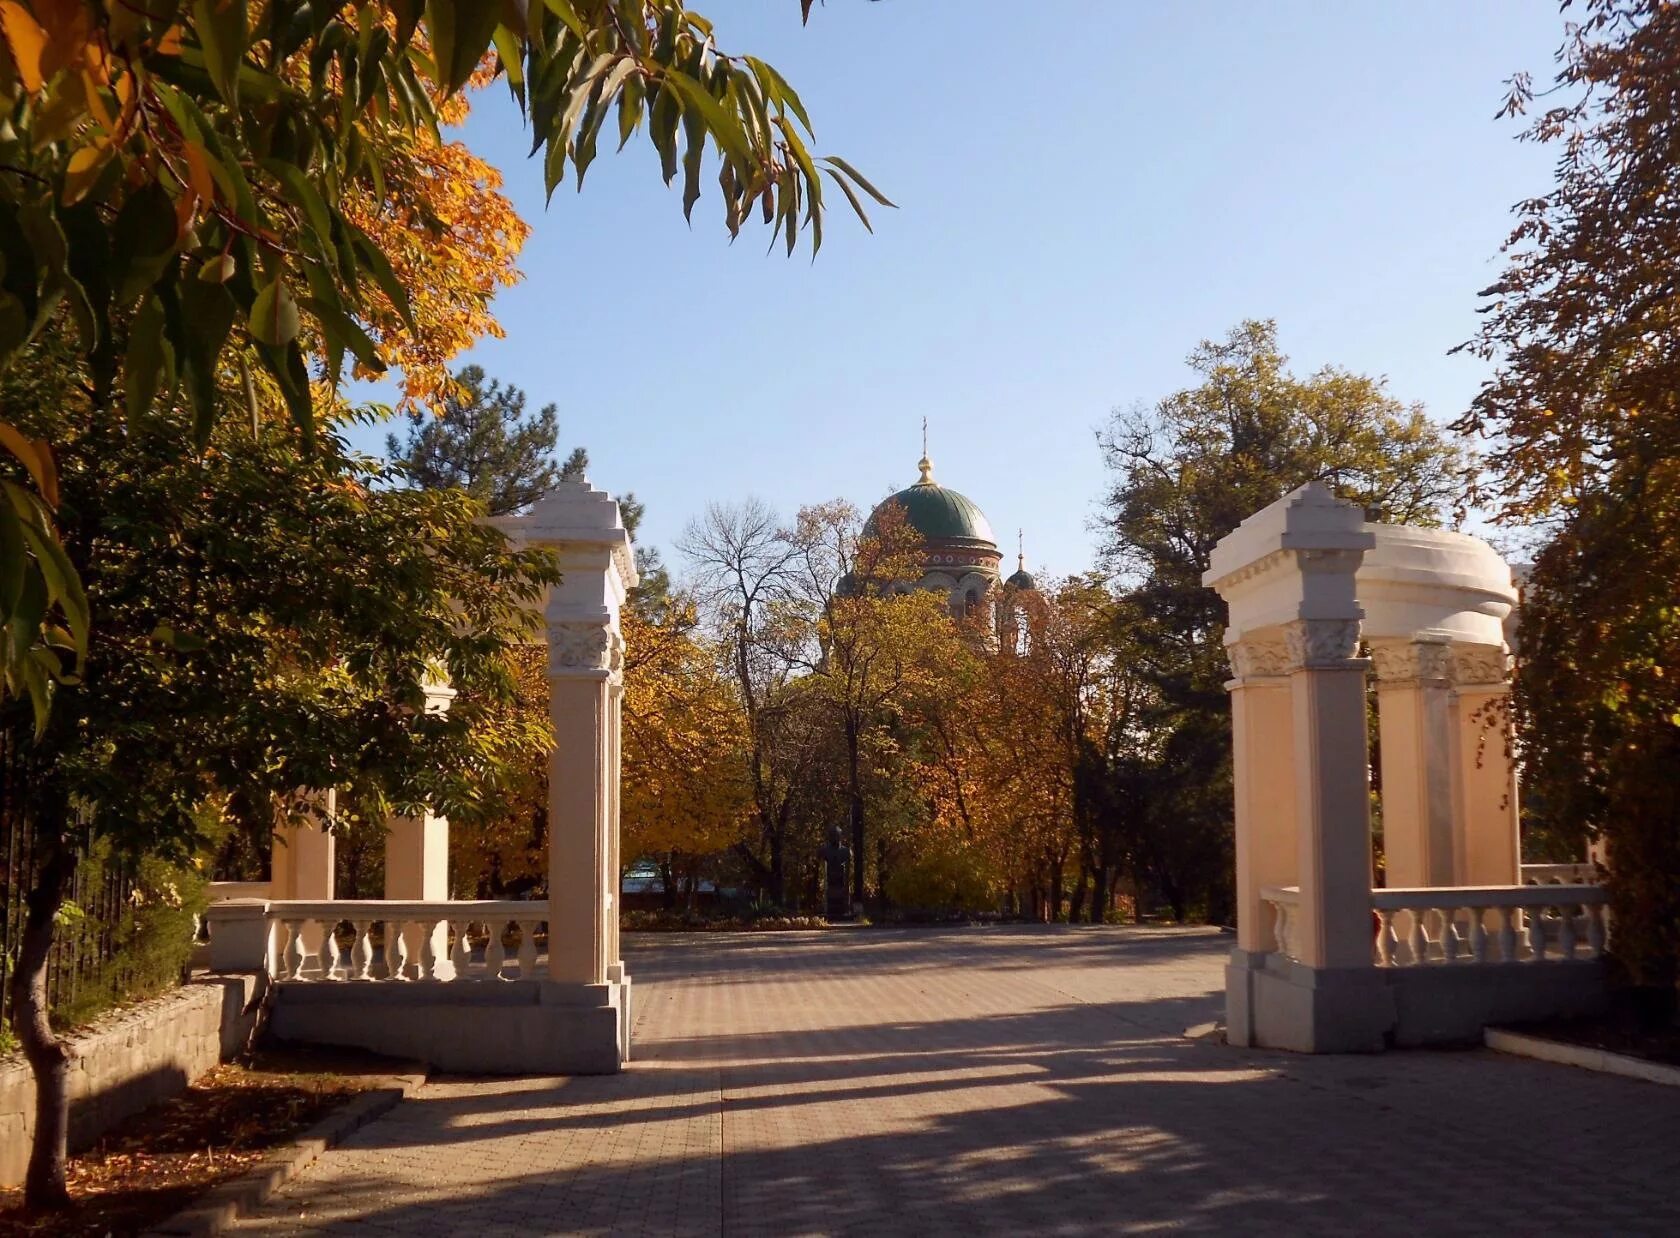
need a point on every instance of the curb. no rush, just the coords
(1583, 1056)
(226, 1202)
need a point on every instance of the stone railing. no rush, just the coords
(1285, 903)
(1488, 924)
(390, 940)
(1560, 874)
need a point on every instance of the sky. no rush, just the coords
(1086, 189)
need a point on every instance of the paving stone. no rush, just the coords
(1002, 1080)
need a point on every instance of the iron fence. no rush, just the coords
(92, 929)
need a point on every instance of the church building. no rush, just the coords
(960, 558)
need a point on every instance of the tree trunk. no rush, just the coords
(667, 884)
(49, 1060)
(854, 787)
(778, 869)
(1099, 895)
(1076, 904)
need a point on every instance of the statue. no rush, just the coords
(836, 856)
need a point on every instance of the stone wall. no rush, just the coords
(129, 1060)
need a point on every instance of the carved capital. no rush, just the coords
(1258, 658)
(1321, 643)
(1411, 661)
(1479, 664)
(575, 645)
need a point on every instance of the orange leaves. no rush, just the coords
(27, 43)
(453, 239)
(54, 36)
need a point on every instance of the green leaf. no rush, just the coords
(862, 182)
(12, 563)
(724, 128)
(274, 315)
(207, 315)
(373, 259)
(851, 196)
(222, 30)
(460, 33)
(694, 147)
(303, 195)
(565, 12)
(343, 331)
(144, 364)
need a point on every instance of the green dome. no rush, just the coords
(939, 514)
(1022, 580)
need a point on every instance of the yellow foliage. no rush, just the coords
(685, 769)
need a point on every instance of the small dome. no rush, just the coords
(939, 514)
(1022, 579)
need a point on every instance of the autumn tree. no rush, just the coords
(191, 189)
(686, 794)
(866, 641)
(1582, 420)
(267, 621)
(1185, 473)
(744, 568)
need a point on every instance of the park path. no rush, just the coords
(1002, 1080)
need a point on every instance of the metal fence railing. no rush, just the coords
(89, 936)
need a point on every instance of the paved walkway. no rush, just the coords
(993, 1081)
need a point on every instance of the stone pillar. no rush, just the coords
(580, 901)
(304, 853)
(1332, 786)
(417, 852)
(1484, 785)
(1301, 774)
(1263, 775)
(1414, 709)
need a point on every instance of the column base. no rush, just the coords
(1275, 1003)
(510, 1027)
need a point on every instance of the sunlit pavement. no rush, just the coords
(1001, 1080)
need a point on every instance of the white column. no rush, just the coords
(1263, 774)
(1332, 788)
(304, 853)
(580, 901)
(1414, 709)
(582, 525)
(417, 851)
(1484, 785)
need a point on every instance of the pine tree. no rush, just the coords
(484, 442)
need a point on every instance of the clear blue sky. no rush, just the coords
(1086, 190)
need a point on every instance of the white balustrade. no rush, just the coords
(1560, 874)
(1455, 925)
(1285, 903)
(390, 940)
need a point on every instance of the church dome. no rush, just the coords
(941, 515)
(1022, 580)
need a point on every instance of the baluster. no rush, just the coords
(295, 951)
(1595, 929)
(274, 951)
(1536, 934)
(1415, 944)
(1446, 934)
(1385, 938)
(1478, 934)
(396, 950)
(332, 962)
(1566, 932)
(495, 954)
(527, 949)
(1507, 935)
(461, 954)
(364, 949)
(428, 949)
